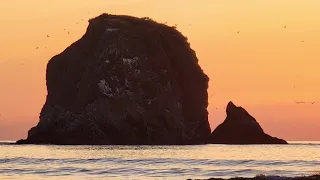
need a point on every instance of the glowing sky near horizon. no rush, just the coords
(264, 68)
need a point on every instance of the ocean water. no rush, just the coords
(48, 162)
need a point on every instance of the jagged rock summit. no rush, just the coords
(126, 81)
(241, 128)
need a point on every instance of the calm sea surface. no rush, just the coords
(33, 162)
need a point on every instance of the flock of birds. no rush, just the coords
(283, 27)
(297, 102)
(301, 102)
(304, 102)
(64, 30)
(49, 37)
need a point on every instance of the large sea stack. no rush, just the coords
(241, 128)
(126, 81)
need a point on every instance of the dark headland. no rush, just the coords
(133, 81)
(240, 127)
(263, 177)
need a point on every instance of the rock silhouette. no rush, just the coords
(126, 81)
(241, 128)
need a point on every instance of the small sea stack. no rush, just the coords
(240, 127)
(127, 81)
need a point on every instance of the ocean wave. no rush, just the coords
(156, 161)
(166, 162)
(183, 173)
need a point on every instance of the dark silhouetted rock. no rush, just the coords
(126, 81)
(241, 128)
(273, 177)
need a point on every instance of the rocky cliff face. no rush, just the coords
(126, 81)
(241, 128)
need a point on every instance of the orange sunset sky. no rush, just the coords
(264, 68)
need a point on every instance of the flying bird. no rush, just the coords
(312, 102)
(37, 47)
(302, 41)
(238, 32)
(47, 36)
(68, 32)
(285, 26)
